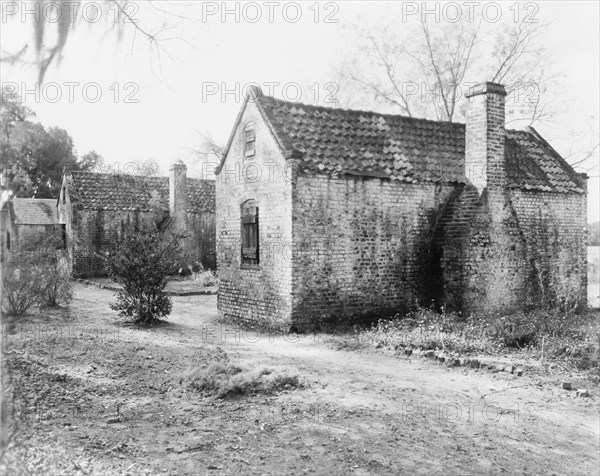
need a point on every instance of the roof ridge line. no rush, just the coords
(265, 98)
(136, 176)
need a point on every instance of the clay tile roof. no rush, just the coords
(129, 192)
(340, 141)
(34, 211)
(533, 164)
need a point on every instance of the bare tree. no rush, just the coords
(204, 159)
(148, 167)
(425, 72)
(584, 146)
(58, 18)
(447, 58)
(386, 57)
(210, 148)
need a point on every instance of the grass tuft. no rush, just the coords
(227, 380)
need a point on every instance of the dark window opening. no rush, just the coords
(249, 140)
(8, 240)
(250, 251)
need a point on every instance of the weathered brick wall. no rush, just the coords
(362, 247)
(512, 251)
(201, 227)
(28, 237)
(65, 215)
(494, 257)
(5, 228)
(555, 233)
(97, 231)
(262, 292)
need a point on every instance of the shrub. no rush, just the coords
(22, 283)
(36, 276)
(141, 264)
(54, 268)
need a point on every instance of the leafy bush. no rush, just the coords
(141, 264)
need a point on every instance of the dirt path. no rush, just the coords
(360, 412)
(497, 419)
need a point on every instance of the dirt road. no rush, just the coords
(360, 412)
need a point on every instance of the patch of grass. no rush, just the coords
(207, 278)
(427, 329)
(227, 380)
(573, 339)
(348, 341)
(198, 275)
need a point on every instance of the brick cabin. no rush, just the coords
(326, 214)
(27, 221)
(96, 208)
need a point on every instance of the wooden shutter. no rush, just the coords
(250, 235)
(249, 139)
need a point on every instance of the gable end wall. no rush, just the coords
(261, 293)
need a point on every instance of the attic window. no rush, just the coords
(64, 195)
(250, 232)
(249, 139)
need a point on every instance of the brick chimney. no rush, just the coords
(178, 197)
(485, 134)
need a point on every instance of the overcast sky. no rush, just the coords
(156, 105)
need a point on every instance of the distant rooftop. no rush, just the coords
(130, 192)
(33, 211)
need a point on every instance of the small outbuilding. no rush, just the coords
(326, 214)
(97, 208)
(28, 221)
